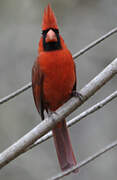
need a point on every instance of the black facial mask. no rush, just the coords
(50, 46)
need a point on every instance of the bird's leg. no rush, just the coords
(50, 112)
(77, 94)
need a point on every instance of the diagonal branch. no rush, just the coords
(94, 43)
(77, 118)
(86, 161)
(79, 53)
(16, 93)
(87, 91)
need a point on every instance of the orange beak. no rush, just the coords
(51, 36)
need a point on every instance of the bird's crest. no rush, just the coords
(49, 19)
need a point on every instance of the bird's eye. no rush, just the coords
(56, 31)
(44, 32)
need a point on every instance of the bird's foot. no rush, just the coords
(77, 94)
(50, 113)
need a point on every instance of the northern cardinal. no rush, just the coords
(54, 82)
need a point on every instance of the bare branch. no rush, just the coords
(17, 148)
(77, 118)
(86, 161)
(81, 52)
(16, 93)
(94, 43)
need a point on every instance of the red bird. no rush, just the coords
(54, 82)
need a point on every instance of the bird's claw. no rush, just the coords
(50, 113)
(77, 94)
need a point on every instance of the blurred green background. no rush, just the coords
(80, 22)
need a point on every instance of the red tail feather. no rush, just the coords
(63, 146)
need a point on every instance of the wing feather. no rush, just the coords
(37, 87)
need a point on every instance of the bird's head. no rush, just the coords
(50, 31)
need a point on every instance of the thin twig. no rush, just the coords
(77, 118)
(86, 161)
(45, 126)
(16, 93)
(81, 52)
(94, 43)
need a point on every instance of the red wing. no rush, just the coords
(37, 87)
